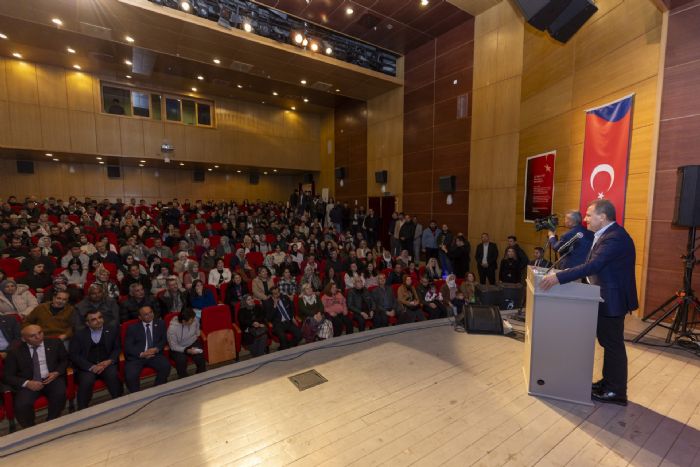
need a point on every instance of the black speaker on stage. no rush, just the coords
(483, 319)
(489, 294)
(687, 206)
(25, 167)
(571, 19)
(113, 171)
(448, 184)
(340, 173)
(381, 176)
(198, 175)
(541, 13)
(254, 179)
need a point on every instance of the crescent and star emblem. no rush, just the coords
(602, 168)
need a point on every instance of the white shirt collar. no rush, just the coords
(602, 231)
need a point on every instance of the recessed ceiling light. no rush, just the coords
(16, 54)
(128, 76)
(274, 170)
(143, 162)
(194, 89)
(349, 10)
(48, 154)
(329, 51)
(247, 27)
(298, 38)
(98, 158)
(239, 86)
(101, 162)
(77, 67)
(140, 165)
(303, 81)
(3, 36)
(128, 62)
(70, 50)
(305, 42)
(264, 173)
(55, 159)
(216, 166)
(274, 93)
(210, 169)
(200, 77)
(306, 99)
(185, 6)
(424, 2)
(57, 21)
(455, 82)
(337, 90)
(238, 171)
(129, 39)
(217, 61)
(294, 108)
(263, 102)
(182, 163)
(314, 47)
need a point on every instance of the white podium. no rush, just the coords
(560, 339)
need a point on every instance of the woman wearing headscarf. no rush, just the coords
(251, 319)
(102, 278)
(311, 277)
(45, 244)
(224, 247)
(16, 299)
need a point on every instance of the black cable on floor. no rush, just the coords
(225, 378)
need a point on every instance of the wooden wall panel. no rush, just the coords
(23, 122)
(79, 87)
(385, 142)
(55, 129)
(83, 134)
(3, 79)
(131, 137)
(51, 86)
(5, 126)
(21, 82)
(108, 135)
(616, 53)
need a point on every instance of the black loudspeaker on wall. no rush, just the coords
(113, 171)
(198, 175)
(381, 176)
(561, 18)
(25, 167)
(687, 206)
(448, 184)
(340, 173)
(254, 179)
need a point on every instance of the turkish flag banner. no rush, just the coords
(606, 149)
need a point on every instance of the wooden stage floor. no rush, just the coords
(425, 396)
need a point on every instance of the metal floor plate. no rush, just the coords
(307, 379)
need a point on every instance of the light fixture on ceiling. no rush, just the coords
(3, 36)
(129, 39)
(305, 42)
(217, 61)
(303, 81)
(216, 166)
(274, 93)
(101, 162)
(424, 2)
(48, 154)
(182, 163)
(329, 50)
(264, 173)
(247, 27)
(143, 162)
(98, 158)
(128, 76)
(128, 62)
(274, 170)
(194, 89)
(55, 159)
(77, 67)
(57, 21)
(140, 165)
(337, 90)
(314, 47)
(238, 171)
(306, 99)
(70, 50)
(298, 38)
(185, 5)
(294, 108)
(239, 86)
(200, 77)
(16, 54)
(349, 11)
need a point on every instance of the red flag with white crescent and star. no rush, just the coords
(606, 153)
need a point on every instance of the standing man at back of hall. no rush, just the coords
(610, 265)
(486, 260)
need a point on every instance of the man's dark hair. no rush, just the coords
(540, 249)
(604, 206)
(512, 237)
(91, 312)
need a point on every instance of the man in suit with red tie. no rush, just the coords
(143, 346)
(610, 265)
(36, 368)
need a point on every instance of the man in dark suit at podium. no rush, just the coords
(610, 265)
(577, 252)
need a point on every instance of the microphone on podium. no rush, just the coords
(566, 245)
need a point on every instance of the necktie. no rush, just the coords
(35, 364)
(283, 311)
(149, 336)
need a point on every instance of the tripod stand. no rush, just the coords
(686, 305)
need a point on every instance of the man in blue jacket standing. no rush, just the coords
(610, 265)
(575, 254)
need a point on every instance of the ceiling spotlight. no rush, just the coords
(210, 169)
(349, 11)
(182, 163)
(274, 170)
(263, 102)
(101, 162)
(16, 54)
(239, 86)
(143, 162)
(128, 62)
(48, 154)
(77, 67)
(128, 76)
(3, 36)
(194, 89)
(298, 38)
(98, 158)
(140, 165)
(303, 81)
(247, 27)
(200, 77)
(424, 2)
(305, 42)
(185, 6)
(238, 171)
(306, 99)
(55, 159)
(314, 47)
(274, 93)
(294, 108)
(57, 21)
(329, 51)
(216, 166)
(129, 39)
(217, 61)
(337, 90)
(264, 173)
(70, 50)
